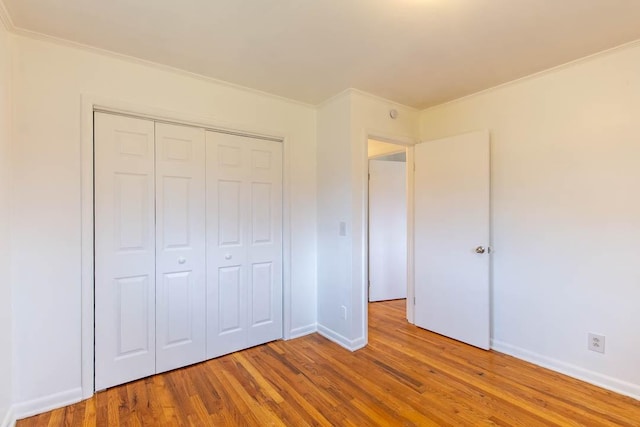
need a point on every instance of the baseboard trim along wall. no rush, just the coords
(595, 378)
(47, 403)
(9, 419)
(331, 335)
(302, 331)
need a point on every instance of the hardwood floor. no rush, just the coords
(405, 377)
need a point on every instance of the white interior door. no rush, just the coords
(180, 243)
(124, 250)
(451, 199)
(244, 242)
(387, 230)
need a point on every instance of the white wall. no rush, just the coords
(345, 124)
(334, 251)
(5, 254)
(566, 213)
(49, 81)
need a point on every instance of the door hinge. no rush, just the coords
(414, 300)
(369, 175)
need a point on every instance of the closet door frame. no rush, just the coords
(92, 103)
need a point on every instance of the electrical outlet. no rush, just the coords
(596, 342)
(343, 311)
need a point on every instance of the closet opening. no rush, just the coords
(187, 243)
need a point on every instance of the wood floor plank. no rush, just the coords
(406, 376)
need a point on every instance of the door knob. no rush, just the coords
(480, 250)
(227, 256)
(181, 260)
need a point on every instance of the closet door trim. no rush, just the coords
(91, 103)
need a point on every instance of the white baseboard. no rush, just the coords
(595, 378)
(9, 419)
(302, 331)
(47, 403)
(351, 345)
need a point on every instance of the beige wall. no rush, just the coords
(566, 213)
(49, 82)
(5, 255)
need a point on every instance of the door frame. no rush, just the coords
(408, 144)
(91, 103)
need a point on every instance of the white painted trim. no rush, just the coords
(5, 18)
(47, 403)
(9, 418)
(89, 104)
(407, 143)
(411, 283)
(592, 377)
(351, 345)
(302, 331)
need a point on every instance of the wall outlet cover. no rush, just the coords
(596, 343)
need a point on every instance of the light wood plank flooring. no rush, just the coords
(405, 377)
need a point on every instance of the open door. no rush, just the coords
(452, 232)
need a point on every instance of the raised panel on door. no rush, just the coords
(124, 250)
(265, 241)
(244, 242)
(180, 249)
(227, 201)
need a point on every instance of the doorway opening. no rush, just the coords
(449, 219)
(387, 210)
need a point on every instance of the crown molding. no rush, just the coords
(34, 35)
(539, 74)
(383, 100)
(354, 91)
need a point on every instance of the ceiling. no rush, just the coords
(414, 52)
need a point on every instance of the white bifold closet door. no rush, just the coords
(180, 246)
(149, 248)
(244, 242)
(125, 250)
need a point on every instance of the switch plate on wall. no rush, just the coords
(343, 229)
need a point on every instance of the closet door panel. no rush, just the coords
(227, 216)
(264, 180)
(180, 248)
(244, 242)
(124, 249)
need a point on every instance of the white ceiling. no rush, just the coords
(415, 52)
